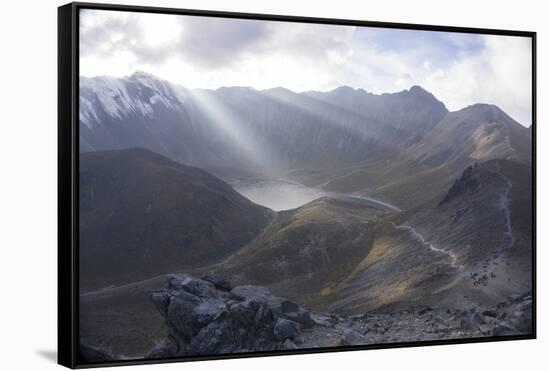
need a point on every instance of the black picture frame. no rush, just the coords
(68, 180)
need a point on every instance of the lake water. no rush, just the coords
(285, 195)
(277, 194)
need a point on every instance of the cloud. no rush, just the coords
(214, 42)
(499, 74)
(210, 52)
(105, 33)
(207, 52)
(154, 38)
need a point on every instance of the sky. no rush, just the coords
(206, 52)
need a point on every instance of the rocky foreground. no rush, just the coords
(210, 316)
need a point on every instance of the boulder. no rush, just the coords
(208, 316)
(188, 315)
(289, 307)
(249, 292)
(303, 317)
(289, 344)
(490, 313)
(218, 281)
(423, 309)
(286, 329)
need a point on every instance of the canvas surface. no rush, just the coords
(253, 186)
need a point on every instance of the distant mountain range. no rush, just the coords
(343, 140)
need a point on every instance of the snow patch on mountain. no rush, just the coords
(119, 98)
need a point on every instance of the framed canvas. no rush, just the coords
(235, 185)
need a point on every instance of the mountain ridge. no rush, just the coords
(142, 214)
(146, 76)
(240, 131)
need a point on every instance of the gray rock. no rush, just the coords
(289, 344)
(354, 338)
(248, 292)
(264, 315)
(478, 318)
(218, 281)
(504, 330)
(486, 330)
(180, 313)
(196, 287)
(490, 313)
(205, 317)
(201, 289)
(466, 323)
(161, 300)
(176, 280)
(166, 348)
(423, 309)
(515, 297)
(286, 329)
(289, 307)
(303, 318)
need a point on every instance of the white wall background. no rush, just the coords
(28, 152)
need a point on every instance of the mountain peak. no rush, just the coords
(483, 107)
(236, 88)
(417, 89)
(278, 90)
(344, 88)
(487, 112)
(142, 74)
(147, 79)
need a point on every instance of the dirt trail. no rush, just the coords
(420, 237)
